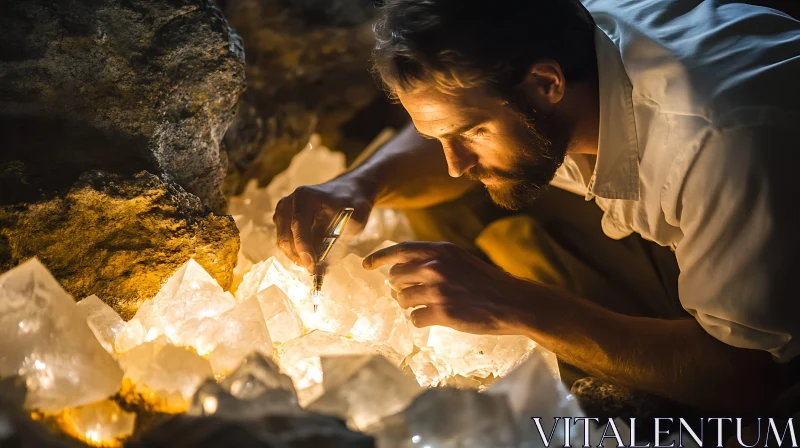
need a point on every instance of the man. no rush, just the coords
(679, 119)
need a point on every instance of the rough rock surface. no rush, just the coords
(119, 238)
(307, 71)
(115, 86)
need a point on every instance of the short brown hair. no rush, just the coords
(454, 44)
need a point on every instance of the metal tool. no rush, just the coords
(333, 233)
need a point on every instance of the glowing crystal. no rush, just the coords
(300, 359)
(478, 355)
(174, 373)
(453, 418)
(239, 332)
(384, 323)
(104, 321)
(136, 360)
(99, 423)
(296, 284)
(252, 391)
(533, 390)
(313, 165)
(282, 319)
(363, 389)
(428, 368)
(256, 375)
(46, 340)
(191, 293)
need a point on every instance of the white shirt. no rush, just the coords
(699, 131)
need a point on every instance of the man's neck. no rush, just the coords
(581, 106)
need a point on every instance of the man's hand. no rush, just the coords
(454, 288)
(302, 217)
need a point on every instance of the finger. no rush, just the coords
(401, 253)
(427, 316)
(283, 219)
(403, 275)
(416, 295)
(302, 222)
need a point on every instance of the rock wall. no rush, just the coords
(307, 71)
(119, 238)
(95, 95)
(115, 86)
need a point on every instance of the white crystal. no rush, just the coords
(238, 333)
(300, 359)
(353, 286)
(191, 293)
(363, 389)
(428, 368)
(175, 373)
(100, 423)
(136, 360)
(282, 319)
(385, 323)
(131, 335)
(256, 375)
(478, 355)
(313, 165)
(296, 284)
(383, 224)
(252, 391)
(46, 340)
(445, 417)
(104, 322)
(533, 390)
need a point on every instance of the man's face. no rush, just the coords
(510, 148)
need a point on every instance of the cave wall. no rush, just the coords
(308, 71)
(111, 118)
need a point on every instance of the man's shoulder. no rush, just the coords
(704, 58)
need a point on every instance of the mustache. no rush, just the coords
(478, 173)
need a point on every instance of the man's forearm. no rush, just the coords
(409, 172)
(672, 358)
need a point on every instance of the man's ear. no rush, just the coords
(544, 84)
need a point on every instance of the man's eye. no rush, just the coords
(479, 132)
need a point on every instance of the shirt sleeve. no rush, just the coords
(739, 254)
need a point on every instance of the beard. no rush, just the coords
(535, 161)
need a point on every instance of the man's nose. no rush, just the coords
(459, 159)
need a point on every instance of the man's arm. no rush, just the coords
(672, 358)
(736, 207)
(410, 172)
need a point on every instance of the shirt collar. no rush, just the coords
(616, 170)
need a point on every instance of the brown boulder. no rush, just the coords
(119, 237)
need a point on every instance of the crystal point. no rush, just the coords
(104, 322)
(46, 340)
(363, 389)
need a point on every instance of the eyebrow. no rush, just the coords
(459, 130)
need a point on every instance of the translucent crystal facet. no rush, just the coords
(282, 319)
(174, 373)
(101, 423)
(46, 340)
(478, 355)
(445, 417)
(300, 359)
(104, 322)
(533, 390)
(239, 332)
(191, 293)
(256, 375)
(362, 389)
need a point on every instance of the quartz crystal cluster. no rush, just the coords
(263, 350)
(46, 340)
